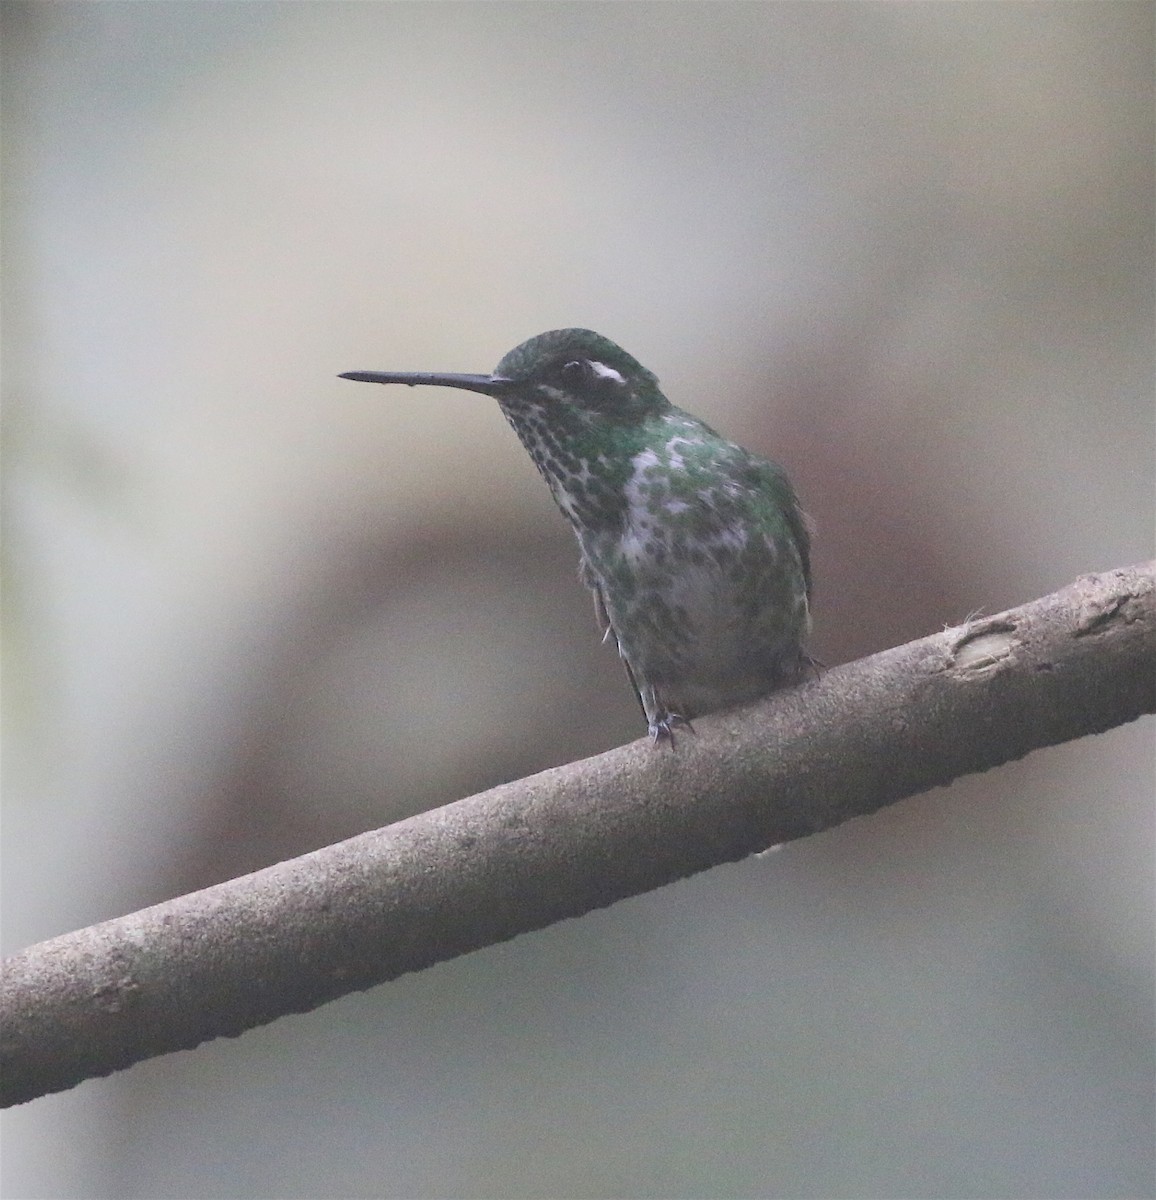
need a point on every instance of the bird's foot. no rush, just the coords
(662, 727)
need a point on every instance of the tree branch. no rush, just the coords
(521, 856)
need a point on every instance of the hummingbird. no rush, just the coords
(696, 550)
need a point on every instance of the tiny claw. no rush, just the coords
(662, 730)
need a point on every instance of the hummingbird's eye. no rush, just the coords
(589, 372)
(576, 372)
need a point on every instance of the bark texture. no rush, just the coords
(521, 856)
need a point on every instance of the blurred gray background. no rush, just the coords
(251, 609)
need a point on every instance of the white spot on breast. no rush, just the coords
(562, 499)
(642, 462)
(673, 456)
(633, 546)
(635, 538)
(733, 537)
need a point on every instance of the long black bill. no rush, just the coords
(488, 385)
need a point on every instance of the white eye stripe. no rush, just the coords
(605, 372)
